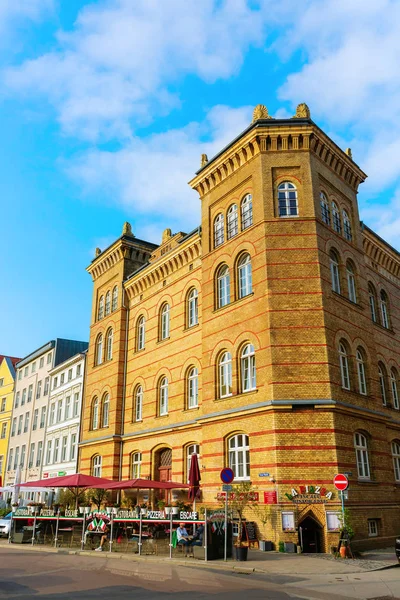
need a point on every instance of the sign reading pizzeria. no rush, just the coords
(309, 494)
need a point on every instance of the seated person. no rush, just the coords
(198, 537)
(182, 536)
(103, 540)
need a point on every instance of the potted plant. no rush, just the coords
(241, 499)
(14, 506)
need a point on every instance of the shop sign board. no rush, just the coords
(253, 496)
(309, 494)
(270, 497)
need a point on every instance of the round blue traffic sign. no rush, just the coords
(227, 475)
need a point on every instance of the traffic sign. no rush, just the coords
(226, 487)
(227, 475)
(340, 482)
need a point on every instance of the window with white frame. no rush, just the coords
(344, 366)
(248, 368)
(67, 413)
(3, 404)
(288, 521)
(20, 375)
(95, 414)
(22, 461)
(333, 521)
(43, 417)
(62, 378)
(223, 287)
(96, 466)
(114, 299)
(384, 309)
(76, 405)
(239, 456)
(109, 344)
(362, 381)
(14, 426)
(78, 370)
(190, 450)
(41, 362)
(30, 393)
(325, 213)
(10, 459)
(48, 454)
(16, 458)
(31, 459)
(69, 374)
(382, 382)
(23, 399)
(49, 357)
(351, 282)
(52, 415)
(20, 421)
(219, 230)
(335, 274)
(59, 411)
(35, 419)
(372, 528)
(99, 350)
(3, 431)
(39, 389)
(245, 276)
(163, 396)
(139, 403)
(141, 333)
(56, 450)
(136, 462)
(46, 386)
(108, 303)
(246, 209)
(193, 387)
(232, 221)
(106, 411)
(287, 200)
(164, 322)
(64, 446)
(347, 226)
(17, 395)
(396, 459)
(393, 384)
(337, 226)
(26, 371)
(361, 448)
(72, 451)
(193, 308)
(26, 423)
(33, 368)
(225, 375)
(39, 454)
(100, 312)
(372, 302)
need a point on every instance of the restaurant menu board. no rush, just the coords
(251, 534)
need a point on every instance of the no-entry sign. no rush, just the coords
(341, 482)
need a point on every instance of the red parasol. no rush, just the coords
(194, 478)
(72, 481)
(146, 484)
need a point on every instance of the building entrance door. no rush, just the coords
(310, 535)
(164, 468)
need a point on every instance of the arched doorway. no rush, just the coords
(310, 535)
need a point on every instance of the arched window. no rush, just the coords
(372, 302)
(114, 298)
(239, 456)
(325, 213)
(163, 396)
(287, 200)
(223, 287)
(225, 375)
(193, 308)
(99, 349)
(347, 226)
(396, 459)
(190, 450)
(394, 386)
(108, 302)
(245, 276)
(138, 396)
(351, 282)
(248, 368)
(140, 333)
(193, 388)
(361, 448)
(384, 309)
(337, 226)
(246, 209)
(109, 343)
(105, 413)
(136, 463)
(344, 366)
(100, 313)
(382, 382)
(164, 322)
(232, 221)
(334, 266)
(95, 414)
(96, 466)
(219, 230)
(362, 381)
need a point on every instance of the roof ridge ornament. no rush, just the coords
(260, 112)
(349, 153)
(204, 160)
(127, 229)
(302, 111)
(97, 252)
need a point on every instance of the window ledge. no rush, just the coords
(387, 329)
(255, 391)
(162, 416)
(190, 327)
(187, 409)
(367, 482)
(342, 297)
(163, 340)
(233, 302)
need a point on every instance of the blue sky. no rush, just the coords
(106, 107)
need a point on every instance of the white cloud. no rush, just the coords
(13, 12)
(385, 219)
(121, 57)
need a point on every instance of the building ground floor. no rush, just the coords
(290, 456)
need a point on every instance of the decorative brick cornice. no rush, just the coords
(380, 255)
(126, 246)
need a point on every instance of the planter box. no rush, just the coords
(266, 546)
(290, 547)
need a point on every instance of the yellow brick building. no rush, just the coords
(266, 340)
(7, 381)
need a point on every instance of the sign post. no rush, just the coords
(341, 483)
(227, 476)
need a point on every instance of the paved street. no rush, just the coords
(25, 574)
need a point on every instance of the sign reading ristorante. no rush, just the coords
(309, 494)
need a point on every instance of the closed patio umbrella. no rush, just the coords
(194, 478)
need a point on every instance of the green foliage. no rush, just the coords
(240, 499)
(68, 498)
(97, 497)
(345, 523)
(281, 546)
(4, 512)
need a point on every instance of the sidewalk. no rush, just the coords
(272, 563)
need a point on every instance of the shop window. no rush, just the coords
(288, 521)
(333, 521)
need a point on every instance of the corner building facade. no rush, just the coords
(266, 340)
